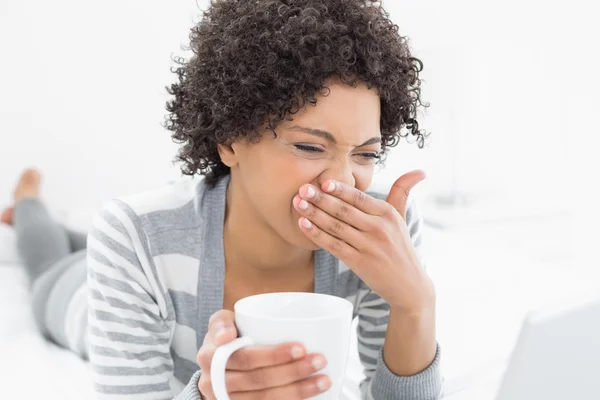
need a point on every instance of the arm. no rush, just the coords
(379, 241)
(129, 332)
(398, 349)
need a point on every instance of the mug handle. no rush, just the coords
(219, 364)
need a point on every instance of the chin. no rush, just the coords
(305, 243)
(299, 239)
(296, 237)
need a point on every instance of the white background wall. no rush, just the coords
(82, 95)
(497, 77)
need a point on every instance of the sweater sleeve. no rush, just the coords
(373, 314)
(191, 392)
(129, 332)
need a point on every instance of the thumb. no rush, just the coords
(400, 190)
(221, 327)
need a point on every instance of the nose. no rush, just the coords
(341, 172)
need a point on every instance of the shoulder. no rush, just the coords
(167, 219)
(171, 196)
(175, 205)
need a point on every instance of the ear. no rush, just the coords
(227, 154)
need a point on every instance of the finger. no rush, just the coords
(400, 190)
(221, 327)
(333, 206)
(205, 387)
(254, 357)
(221, 323)
(303, 389)
(205, 356)
(324, 240)
(354, 197)
(334, 226)
(274, 376)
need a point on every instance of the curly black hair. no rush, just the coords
(257, 62)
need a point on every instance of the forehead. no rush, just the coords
(350, 114)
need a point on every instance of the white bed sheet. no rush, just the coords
(31, 367)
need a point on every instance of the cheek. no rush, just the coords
(297, 171)
(278, 180)
(363, 176)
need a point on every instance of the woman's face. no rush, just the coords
(338, 139)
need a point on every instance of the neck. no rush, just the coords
(253, 249)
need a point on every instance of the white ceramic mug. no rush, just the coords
(321, 322)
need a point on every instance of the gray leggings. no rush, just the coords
(54, 258)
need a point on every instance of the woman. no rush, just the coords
(285, 108)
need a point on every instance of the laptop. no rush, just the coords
(557, 357)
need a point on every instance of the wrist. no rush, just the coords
(410, 342)
(415, 316)
(421, 303)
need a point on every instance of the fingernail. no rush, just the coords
(221, 330)
(310, 192)
(220, 333)
(331, 187)
(297, 352)
(303, 205)
(323, 384)
(306, 223)
(318, 362)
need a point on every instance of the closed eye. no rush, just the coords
(308, 149)
(370, 156)
(313, 149)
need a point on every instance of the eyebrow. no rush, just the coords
(329, 137)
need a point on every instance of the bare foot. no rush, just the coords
(7, 216)
(28, 185)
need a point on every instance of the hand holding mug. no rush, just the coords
(281, 371)
(261, 363)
